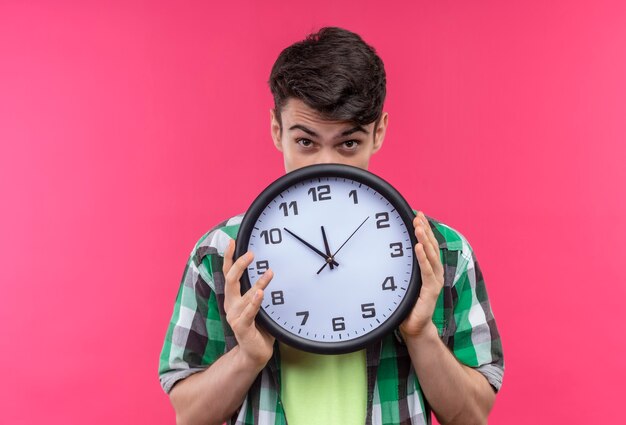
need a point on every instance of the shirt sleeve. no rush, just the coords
(472, 333)
(195, 336)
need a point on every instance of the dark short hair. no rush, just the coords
(334, 72)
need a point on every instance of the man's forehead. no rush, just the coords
(296, 115)
(297, 110)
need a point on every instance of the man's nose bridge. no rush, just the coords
(327, 156)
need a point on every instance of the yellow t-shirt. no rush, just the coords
(323, 389)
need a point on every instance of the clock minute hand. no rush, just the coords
(342, 245)
(311, 246)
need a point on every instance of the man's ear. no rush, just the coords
(276, 130)
(381, 130)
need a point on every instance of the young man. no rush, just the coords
(217, 365)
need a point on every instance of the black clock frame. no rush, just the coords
(339, 171)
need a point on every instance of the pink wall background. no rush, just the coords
(128, 129)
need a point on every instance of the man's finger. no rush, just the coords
(436, 259)
(430, 285)
(429, 231)
(245, 309)
(431, 247)
(261, 283)
(422, 237)
(264, 280)
(425, 267)
(252, 308)
(232, 288)
(228, 257)
(239, 266)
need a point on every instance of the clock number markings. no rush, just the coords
(368, 310)
(353, 194)
(320, 193)
(397, 249)
(272, 236)
(339, 324)
(262, 266)
(278, 297)
(382, 220)
(305, 317)
(389, 284)
(293, 205)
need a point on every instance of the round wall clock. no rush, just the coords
(340, 242)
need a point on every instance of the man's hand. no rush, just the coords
(212, 396)
(255, 345)
(457, 393)
(427, 252)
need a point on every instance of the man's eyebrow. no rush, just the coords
(303, 128)
(353, 130)
(343, 134)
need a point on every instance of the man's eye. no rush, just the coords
(350, 144)
(305, 143)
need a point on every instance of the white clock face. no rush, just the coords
(342, 258)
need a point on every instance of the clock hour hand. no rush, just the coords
(342, 245)
(326, 257)
(327, 248)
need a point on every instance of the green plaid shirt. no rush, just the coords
(198, 335)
